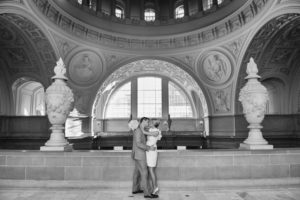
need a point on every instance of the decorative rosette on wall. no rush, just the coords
(85, 68)
(214, 68)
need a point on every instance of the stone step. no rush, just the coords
(166, 185)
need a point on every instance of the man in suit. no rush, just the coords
(139, 148)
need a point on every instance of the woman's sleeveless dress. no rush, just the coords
(152, 155)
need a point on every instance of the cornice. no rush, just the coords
(225, 27)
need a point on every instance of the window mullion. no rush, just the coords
(134, 98)
(165, 98)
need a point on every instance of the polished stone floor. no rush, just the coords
(250, 193)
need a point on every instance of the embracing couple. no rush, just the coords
(144, 154)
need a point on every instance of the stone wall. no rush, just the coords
(273, 126)
(172, 165)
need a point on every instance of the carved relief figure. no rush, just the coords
(216, 68)
(64, 47)
(221, 101)
(85, 69)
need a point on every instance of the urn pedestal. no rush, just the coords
(59, 100)
(254, 97)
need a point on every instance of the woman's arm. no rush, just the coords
(154, 133)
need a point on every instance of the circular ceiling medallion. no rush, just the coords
(215, 68)
(85, 68)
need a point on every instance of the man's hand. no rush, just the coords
(152, 148)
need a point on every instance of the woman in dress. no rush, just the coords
(151, 156)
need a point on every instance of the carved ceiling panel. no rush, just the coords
(189, 59)
(36, 46)
(65, 46)
(235, 46)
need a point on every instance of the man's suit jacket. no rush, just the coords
(139, 146)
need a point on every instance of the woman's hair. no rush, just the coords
(156, 123)
(144, 119)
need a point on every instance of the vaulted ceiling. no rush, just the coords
(25, 49)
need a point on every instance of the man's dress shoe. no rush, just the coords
(138, 191)
(152, 196)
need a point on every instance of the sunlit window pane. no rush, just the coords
(119, 104)
(179, 104)
(208, 4)
(149, 15)
(220, 1)
(119, 13)
(179, 12)
(149, 97)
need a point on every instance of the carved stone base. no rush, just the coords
(68, 147)
(256, 146)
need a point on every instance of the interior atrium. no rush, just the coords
(181, 61)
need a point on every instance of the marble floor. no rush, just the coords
(250, 193)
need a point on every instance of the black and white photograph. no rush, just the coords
(149, 99)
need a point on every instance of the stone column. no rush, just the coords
(200, 5)
(171, 9)
(142, 9)
(165, 98)
(99, 6)
(86, 3)
(215, 3)
(186, 7)
(59, 101)
(112, 7)
(127, 9)
(254, 97)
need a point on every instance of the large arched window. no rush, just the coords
(119, 104)
(149, 15)
(179, 104)
(144, 96)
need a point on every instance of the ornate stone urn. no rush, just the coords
(59, 102)
(254, 97)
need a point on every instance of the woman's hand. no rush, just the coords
(154, 133)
